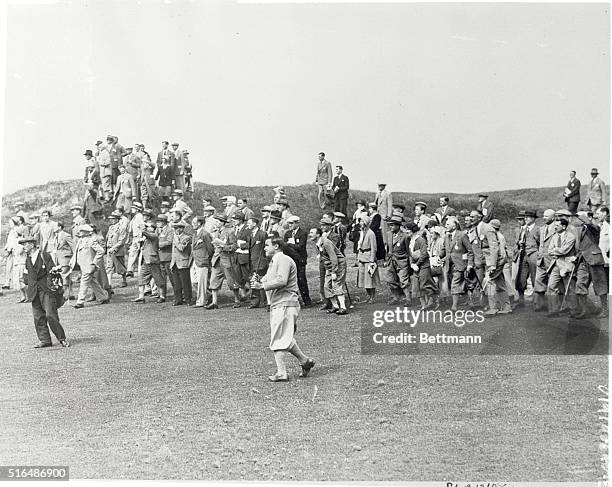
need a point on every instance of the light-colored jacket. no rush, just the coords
(597, 193)
(367, 246)
(88, 254)
(563, 252)
(384, 200)
(116, 238)
(181, 251)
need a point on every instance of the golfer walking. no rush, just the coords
(280, 284)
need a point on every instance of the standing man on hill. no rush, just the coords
(598, 193)
(384, 203)
(340, 186)
(445, 210)
(179, 167)
(323, 178)
(572, 193)
(485, 207)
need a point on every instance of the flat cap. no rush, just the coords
(293, 219)
(395, 220)
(178, 192)
(221, 218)
(162, 217)
(326, 220)
(495, 223)
(137, 205)
(238, 216)
(180, 224)
(85, 228)
(421, 203)
(210, 208)
(276, 214)
(339, 214)
(531, 213)
(75, 207)
(399, 205)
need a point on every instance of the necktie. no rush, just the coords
(558, 240)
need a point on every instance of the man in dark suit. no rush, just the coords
(526, 254)
(572, 193)
(242, 262)
(590, 266)
(165, 152)
(258, 262)
(149, 260)
(458, 256)
(44, 300)
(445, 210)
(340, 187)
(296, 239)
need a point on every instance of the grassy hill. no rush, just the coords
(60, 195)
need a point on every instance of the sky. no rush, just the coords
(425, 97)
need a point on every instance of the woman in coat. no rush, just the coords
(367, 272)
(376, 227)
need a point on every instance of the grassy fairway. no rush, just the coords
(156, 392)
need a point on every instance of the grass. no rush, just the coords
(155, 392)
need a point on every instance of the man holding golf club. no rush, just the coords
(562, 251)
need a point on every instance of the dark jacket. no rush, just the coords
(297, 251)
(150, 249)
(380, 243)
(165, 175)
(257, 253)
(36, 275)
(342, 183)
(203, 248)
